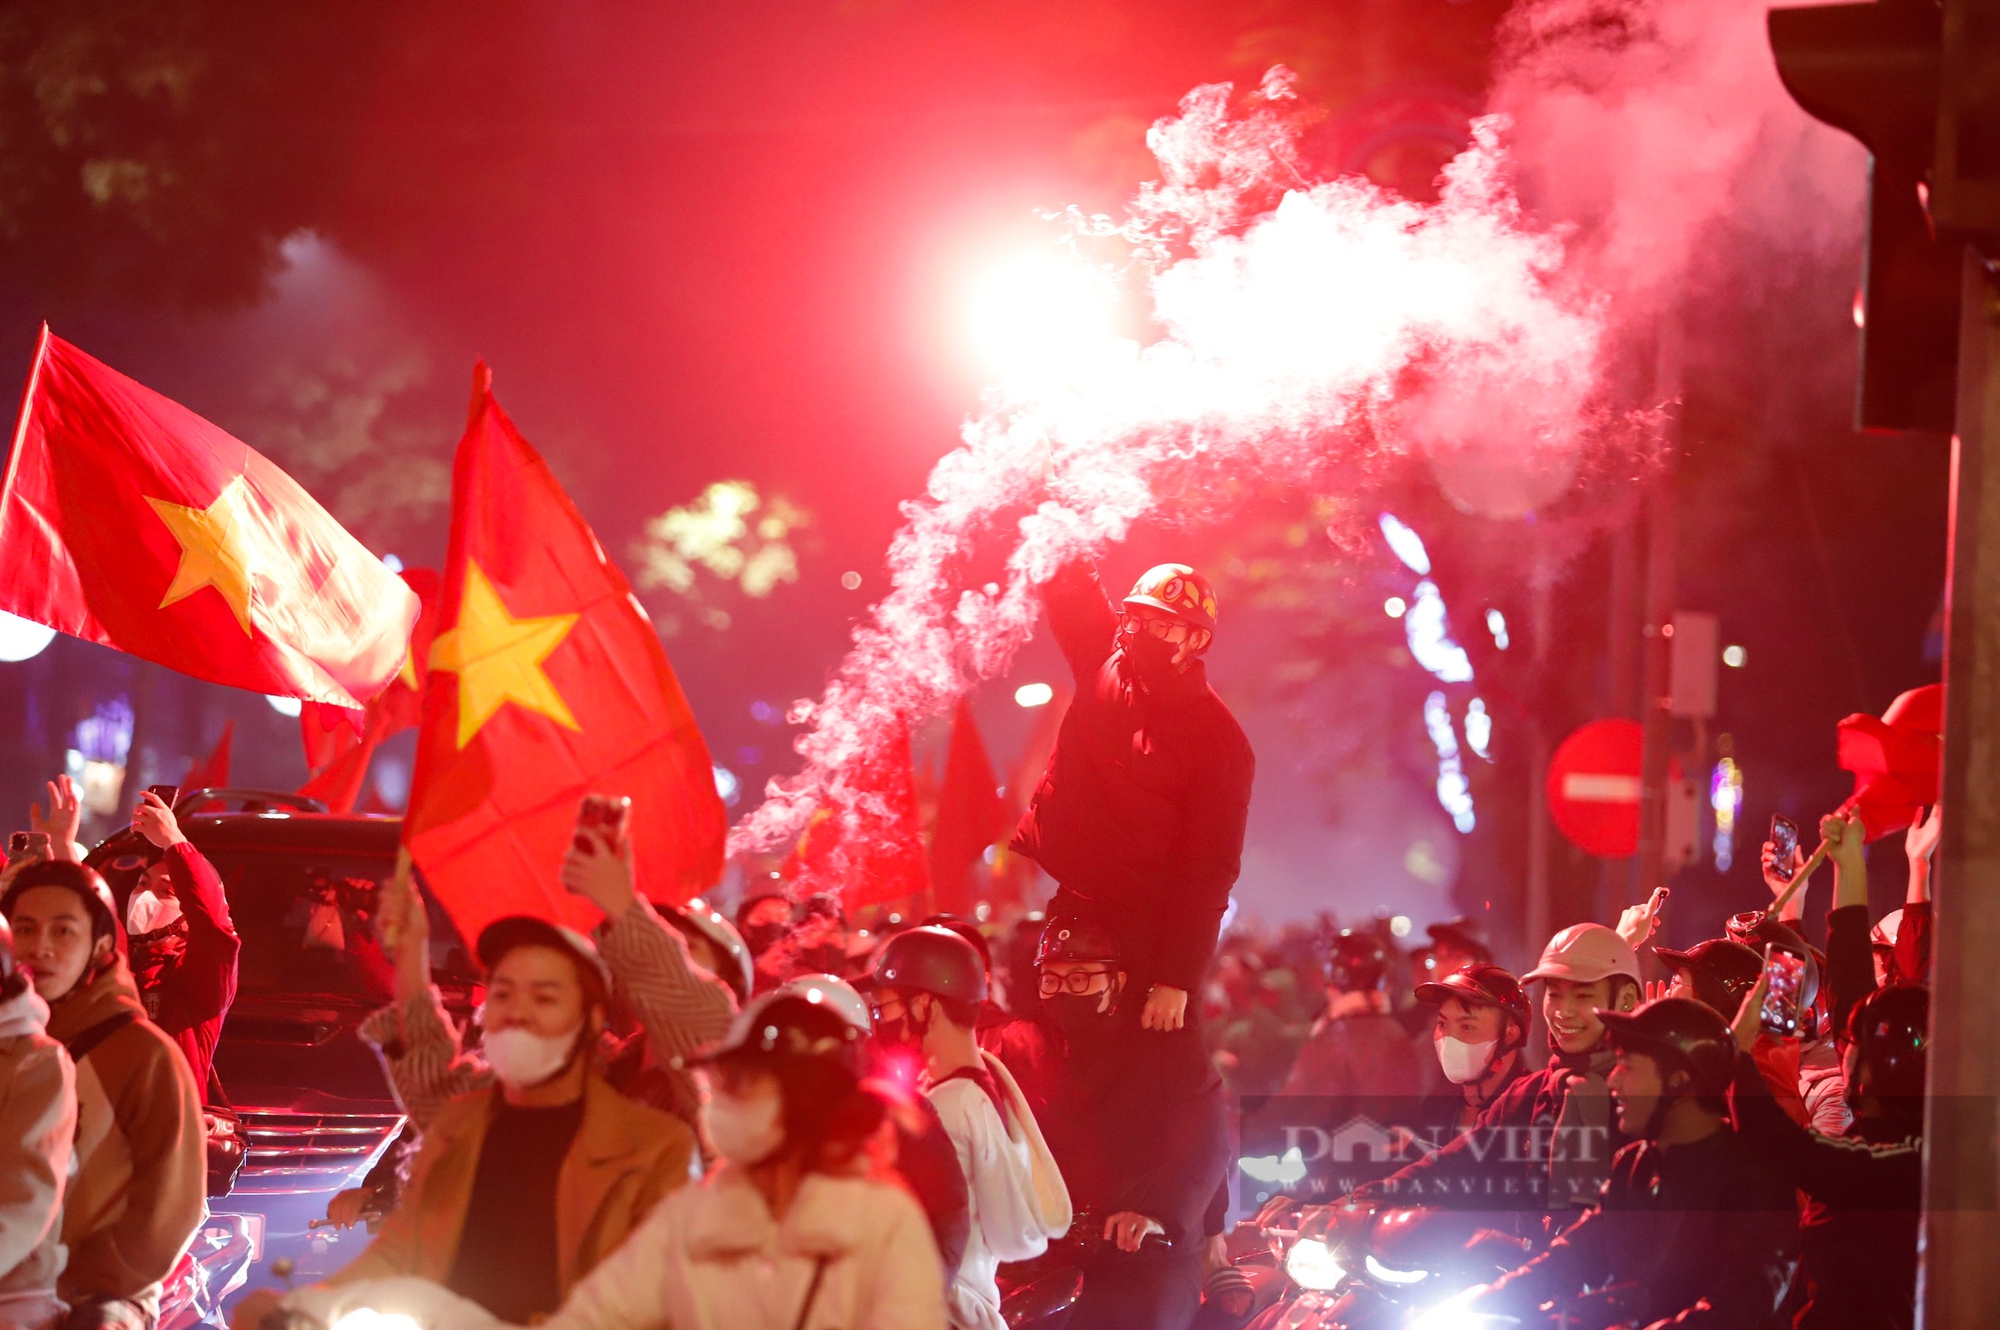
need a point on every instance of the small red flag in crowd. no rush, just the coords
(340, 743)
(126, 519)
(970, 814)
(212, 772)
(867, 845)
(546, 683)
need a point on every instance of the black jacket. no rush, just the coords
(1139, 1122)
(1696, 1235)
(1502, 1164)
(1142, 809)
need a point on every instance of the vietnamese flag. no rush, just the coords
(339, 743)
(127, 519)
(547, 683)
(970, 814)
(866, 846)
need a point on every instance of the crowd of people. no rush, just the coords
(779, 1120)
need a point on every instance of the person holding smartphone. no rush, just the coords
(181, 940)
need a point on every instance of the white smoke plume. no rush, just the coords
(1306, 329)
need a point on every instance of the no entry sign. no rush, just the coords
(1594, 787)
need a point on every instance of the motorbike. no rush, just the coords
(1386, 1269)
(1040, 1294)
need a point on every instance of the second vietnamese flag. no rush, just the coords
(546, 683)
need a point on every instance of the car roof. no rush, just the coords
(310, 833)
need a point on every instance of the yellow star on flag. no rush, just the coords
(218, 549)
(498, 658)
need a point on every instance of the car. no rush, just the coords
(302, 885)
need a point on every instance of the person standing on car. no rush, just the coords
(927, 989)
(183, 946)
(1356, 1049)
(1696, 1225)
(141, 1177)
(521, 1188)
(37, 1135)
(1139, 1128)
(1140, 815)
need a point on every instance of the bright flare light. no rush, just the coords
(1311, 1265)
(367, 1318)
(22, 639)
(1039, 317)
(1034, 695)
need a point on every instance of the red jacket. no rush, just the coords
(191, 999)
(1143, 806)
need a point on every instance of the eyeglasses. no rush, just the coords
(1079, 983)
(1167, 630)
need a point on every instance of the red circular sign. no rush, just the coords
(1594, 787)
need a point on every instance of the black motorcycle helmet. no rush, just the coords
(1487, 984)
(1076, 940)
(931, 960)
(1758, 929)
(1356, 962)
(1722, 971)
(1890, 1028)
(1680, 1034)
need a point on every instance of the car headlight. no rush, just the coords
(367, 1318)
(1310, 1264)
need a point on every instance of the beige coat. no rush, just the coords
(712, 1258)
(624, 1159)
(37, 1128)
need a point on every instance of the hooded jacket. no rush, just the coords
(37, 1131)
(1143, 807)
(141, 1144)
(192, 997)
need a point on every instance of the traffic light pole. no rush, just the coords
(1959, 1281)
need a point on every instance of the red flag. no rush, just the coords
(970, 814)
(212, 772)
(1895, 760)
(546, 683)
(128, 520)
(340, 743)
(867, 846)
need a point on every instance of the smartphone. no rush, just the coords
(602, 814)
(1786, 972)
(166, 794)
(29, 845)
(1784, 845)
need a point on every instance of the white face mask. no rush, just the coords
(1464, 1062)
(746, 1131)
(146, 912)
(521, 1058)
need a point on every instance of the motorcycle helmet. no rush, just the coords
(1721, 971)
(1486, 984)
(1180, 591)
(1680, 1034)
(1356, 962)
(713, 927)
(836, 995)
(1584, 954)
(1891, 1029)
(931, 960)
(1076, 940)
(783, 1026)
(525, 930)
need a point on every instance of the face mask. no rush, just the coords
(746, 1131)
(1148, 654)
(147, 913)
(522, 1058)
(1078, 1017)
(1464, 1062)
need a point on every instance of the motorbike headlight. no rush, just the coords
(1310, 1264)
(367, 1318)
(1453, 1314)
(1389, 1275)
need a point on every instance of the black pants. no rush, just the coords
(1124, 1291)
(1137, 936)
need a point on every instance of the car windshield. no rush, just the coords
(308, 925)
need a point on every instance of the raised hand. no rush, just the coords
(65, 815)
(600, 871)
(155, 821)
(1639, 922)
